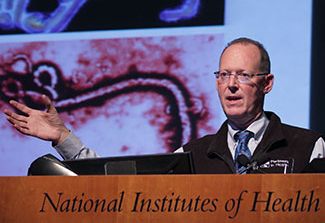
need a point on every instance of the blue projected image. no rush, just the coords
(49, 16)
(187, 10)
(14, 14)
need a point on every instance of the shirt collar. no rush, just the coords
(258, 127)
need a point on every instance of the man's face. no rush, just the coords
(243, 103)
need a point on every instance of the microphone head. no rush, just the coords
(49, 165)
(242, 160)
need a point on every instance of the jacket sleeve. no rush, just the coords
(72, 148)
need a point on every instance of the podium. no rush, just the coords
(163, 198)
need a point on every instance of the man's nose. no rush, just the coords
(232, 83)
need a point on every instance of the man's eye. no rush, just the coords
(223, 74)
(243, 75)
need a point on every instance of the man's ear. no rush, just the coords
(268, 83)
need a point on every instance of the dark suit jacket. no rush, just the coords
(289, 149)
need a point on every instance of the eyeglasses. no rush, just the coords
(223, 77)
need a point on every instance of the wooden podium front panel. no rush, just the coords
(163, 198)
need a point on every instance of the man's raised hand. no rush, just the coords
(46, 125)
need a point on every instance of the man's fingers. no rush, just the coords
(14, 116)
(20, 106)
(9, 119)
(46, 101)
(20, 126)
(22, 130)
(15, 121)
(48, 104)
(7, 112)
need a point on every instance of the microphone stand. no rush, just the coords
(254, 165)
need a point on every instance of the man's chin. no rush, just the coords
(235, 114)
(241, 119)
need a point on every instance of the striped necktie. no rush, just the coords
(242, 148)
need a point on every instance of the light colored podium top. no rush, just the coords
(164, 198)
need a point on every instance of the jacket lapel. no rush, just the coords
(273, 135)
(219, 147)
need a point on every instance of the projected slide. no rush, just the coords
(145, 95)
(47, 16)
(136, 76)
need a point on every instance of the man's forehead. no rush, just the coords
(241, 53)
(247, 47)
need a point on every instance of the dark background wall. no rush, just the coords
(317, 102)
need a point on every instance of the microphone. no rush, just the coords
(49, 165)
(254, 164)
(242, 160)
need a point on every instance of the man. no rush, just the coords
(243, 80)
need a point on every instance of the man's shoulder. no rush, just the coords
(203, 140)
(291, 130)
(299, 132)
(199, 143)
(207, 139)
